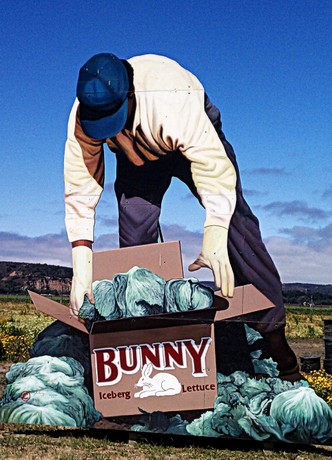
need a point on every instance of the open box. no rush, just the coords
(164, 362)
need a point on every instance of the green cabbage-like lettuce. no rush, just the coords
(187, 294)
(19, 412)
(45, 365)
(202, 426)
(144, 292)
(105, 304)
(140, 292)
(305, 416)
(48, 390)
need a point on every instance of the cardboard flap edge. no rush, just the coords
(56, 310)
(247, 299)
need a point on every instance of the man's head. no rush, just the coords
(102, 89)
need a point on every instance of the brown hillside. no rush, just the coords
(17, 277)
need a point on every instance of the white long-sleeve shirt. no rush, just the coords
(169, 116)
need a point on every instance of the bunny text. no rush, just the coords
(111, 363)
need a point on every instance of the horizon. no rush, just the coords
(200, 280)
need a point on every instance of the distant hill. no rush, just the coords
(308, 287)
(303, 293)
(17, 277)
(307, 293)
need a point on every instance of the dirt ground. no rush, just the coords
(306, 347)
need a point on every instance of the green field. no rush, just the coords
(305, 322)
(20, 323)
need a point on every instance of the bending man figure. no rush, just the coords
(156, 117)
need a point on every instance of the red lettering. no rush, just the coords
(111, 363)
(198, 355)
(124, 354)
(151, 354)
(174, 353)
(107, 371)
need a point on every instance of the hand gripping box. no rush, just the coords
(164, 362)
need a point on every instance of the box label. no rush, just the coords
(165, 375)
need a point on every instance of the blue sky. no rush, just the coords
(267, 66)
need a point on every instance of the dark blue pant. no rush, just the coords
(140, 191)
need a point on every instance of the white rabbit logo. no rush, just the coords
(162, 384)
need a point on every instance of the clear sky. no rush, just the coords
(266, 64)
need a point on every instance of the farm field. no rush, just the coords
(20, 323)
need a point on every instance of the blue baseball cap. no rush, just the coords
(102, 90)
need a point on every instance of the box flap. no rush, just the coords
(247, 299)
(56, 310)
(161, 258)
(164, 259)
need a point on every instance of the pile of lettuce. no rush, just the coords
(265, 408)
(256, 408)
(140, 292)
(50, 391)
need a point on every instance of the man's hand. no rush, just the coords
(214, 255)
(82, 279)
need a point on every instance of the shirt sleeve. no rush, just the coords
(187, 128)
(84, 179)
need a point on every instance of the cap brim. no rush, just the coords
(106, 126)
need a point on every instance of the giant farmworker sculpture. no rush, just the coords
(158, 120)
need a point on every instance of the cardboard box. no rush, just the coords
(160, 362)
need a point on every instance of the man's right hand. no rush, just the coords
(214, 255)
(82, 279)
